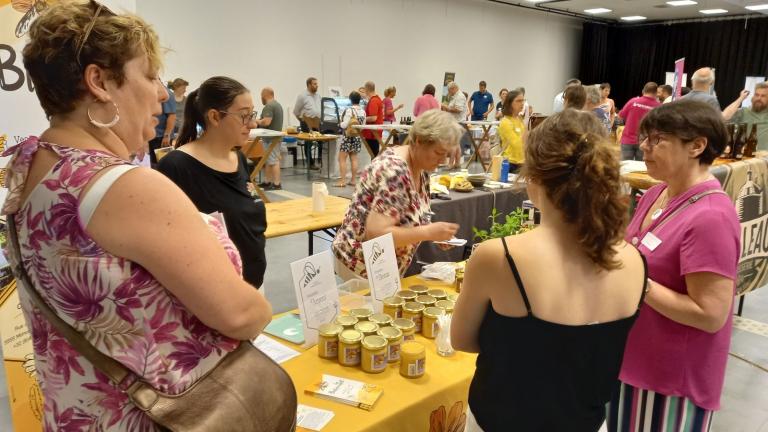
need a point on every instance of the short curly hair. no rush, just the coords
(51, 56)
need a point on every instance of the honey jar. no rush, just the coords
(367, 328)
(426, 299)
(419, 289)
(382, 320)
(346, 321)
(453, 297)
(406, 326)
(393, 306)
(394, 339)
(459, 279)
(407, 295)
(328, 340)
(362, 314)
(429, 324)
(374, 357)
(413, 311)
(438, 294)
(349, 347)
(445, 305)
(413, 358)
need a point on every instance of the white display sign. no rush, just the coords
(749, 84)
(315, 284)
(381, 266)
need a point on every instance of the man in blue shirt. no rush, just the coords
(481, 103)
(164, 128)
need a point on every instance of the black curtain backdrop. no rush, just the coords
(628, 57)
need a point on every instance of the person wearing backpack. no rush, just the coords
(351, 143)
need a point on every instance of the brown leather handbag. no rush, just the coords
(245, 391)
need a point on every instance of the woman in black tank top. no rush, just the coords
(550, 352)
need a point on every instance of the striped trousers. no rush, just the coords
(638, 410)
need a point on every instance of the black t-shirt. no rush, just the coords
(225, 192)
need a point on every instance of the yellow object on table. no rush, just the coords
(413, 359)
(374, 358)
(350, 347)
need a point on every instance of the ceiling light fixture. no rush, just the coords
(713, 11)
(596, 11)
(757, 7)
(633, 18)
(681, 3)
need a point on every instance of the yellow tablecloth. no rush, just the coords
(436, 402)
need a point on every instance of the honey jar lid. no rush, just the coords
(433, 312)
(330, 329)
(419, 289)
(394, 301)
(413, 307)
(350, 336)
(437, 293)
(446, 305)
(391, 333)
(453, 297)
(403, 324)
(361, 313)
(380, 319)
(426, 299)
(374, 342)
(366, 327)
(407, 295)
(412, 348)
(345, 320)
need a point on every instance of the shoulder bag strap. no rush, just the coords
(115, 371)
(688, 202)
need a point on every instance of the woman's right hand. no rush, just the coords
(441, 231)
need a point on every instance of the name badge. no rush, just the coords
(651, 241)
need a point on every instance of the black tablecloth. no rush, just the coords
(469, 210)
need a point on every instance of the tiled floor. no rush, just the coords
(745, 398)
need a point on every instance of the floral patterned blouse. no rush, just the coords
(115, 303)
(385, 187)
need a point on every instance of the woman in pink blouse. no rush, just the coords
(674, 362)
(426, 101)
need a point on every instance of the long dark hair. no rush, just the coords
(216, 93)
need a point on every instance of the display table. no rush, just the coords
(377, 131)
(275, 137)
(486, 127)
(406, 404)
(303, 136)
(468, 209)
(295, 216)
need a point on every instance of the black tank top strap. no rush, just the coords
(645, 279)
(516, 274)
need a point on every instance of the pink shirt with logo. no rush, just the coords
(632, 113)
(662, 355)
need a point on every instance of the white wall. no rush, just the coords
(406, 43)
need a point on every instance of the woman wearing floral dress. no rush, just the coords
(96, 240)
(351, 143)
(393, 196)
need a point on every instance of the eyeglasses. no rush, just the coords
(89, 29)
(246, 118)
(655, 138)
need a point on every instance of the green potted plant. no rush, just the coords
(514, 223)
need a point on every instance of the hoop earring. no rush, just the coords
(99, 124)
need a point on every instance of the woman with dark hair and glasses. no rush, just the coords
(687, 229)
(214, 175)
(116, 251)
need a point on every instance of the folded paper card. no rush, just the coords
(346, 391)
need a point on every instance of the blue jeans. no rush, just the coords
(631, 152)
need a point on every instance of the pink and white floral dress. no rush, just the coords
(115, 303)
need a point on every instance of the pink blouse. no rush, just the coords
(424, 103)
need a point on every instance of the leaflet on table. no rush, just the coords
(310, 418)
(274, 349)
(288, 327)
(346, 391)
(381, 265)
(314, 282)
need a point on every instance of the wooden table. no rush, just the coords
(486, 126)
(377, 130)
(276, 137)
(304, 136)
(295, 216)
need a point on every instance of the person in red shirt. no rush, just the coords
(632, 113)
(374, 112)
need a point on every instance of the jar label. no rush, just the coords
(409, 337)
(352, 356)
(416, 368)
(417, 321)
(332, 348)
(378, 361)
(394, 352)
